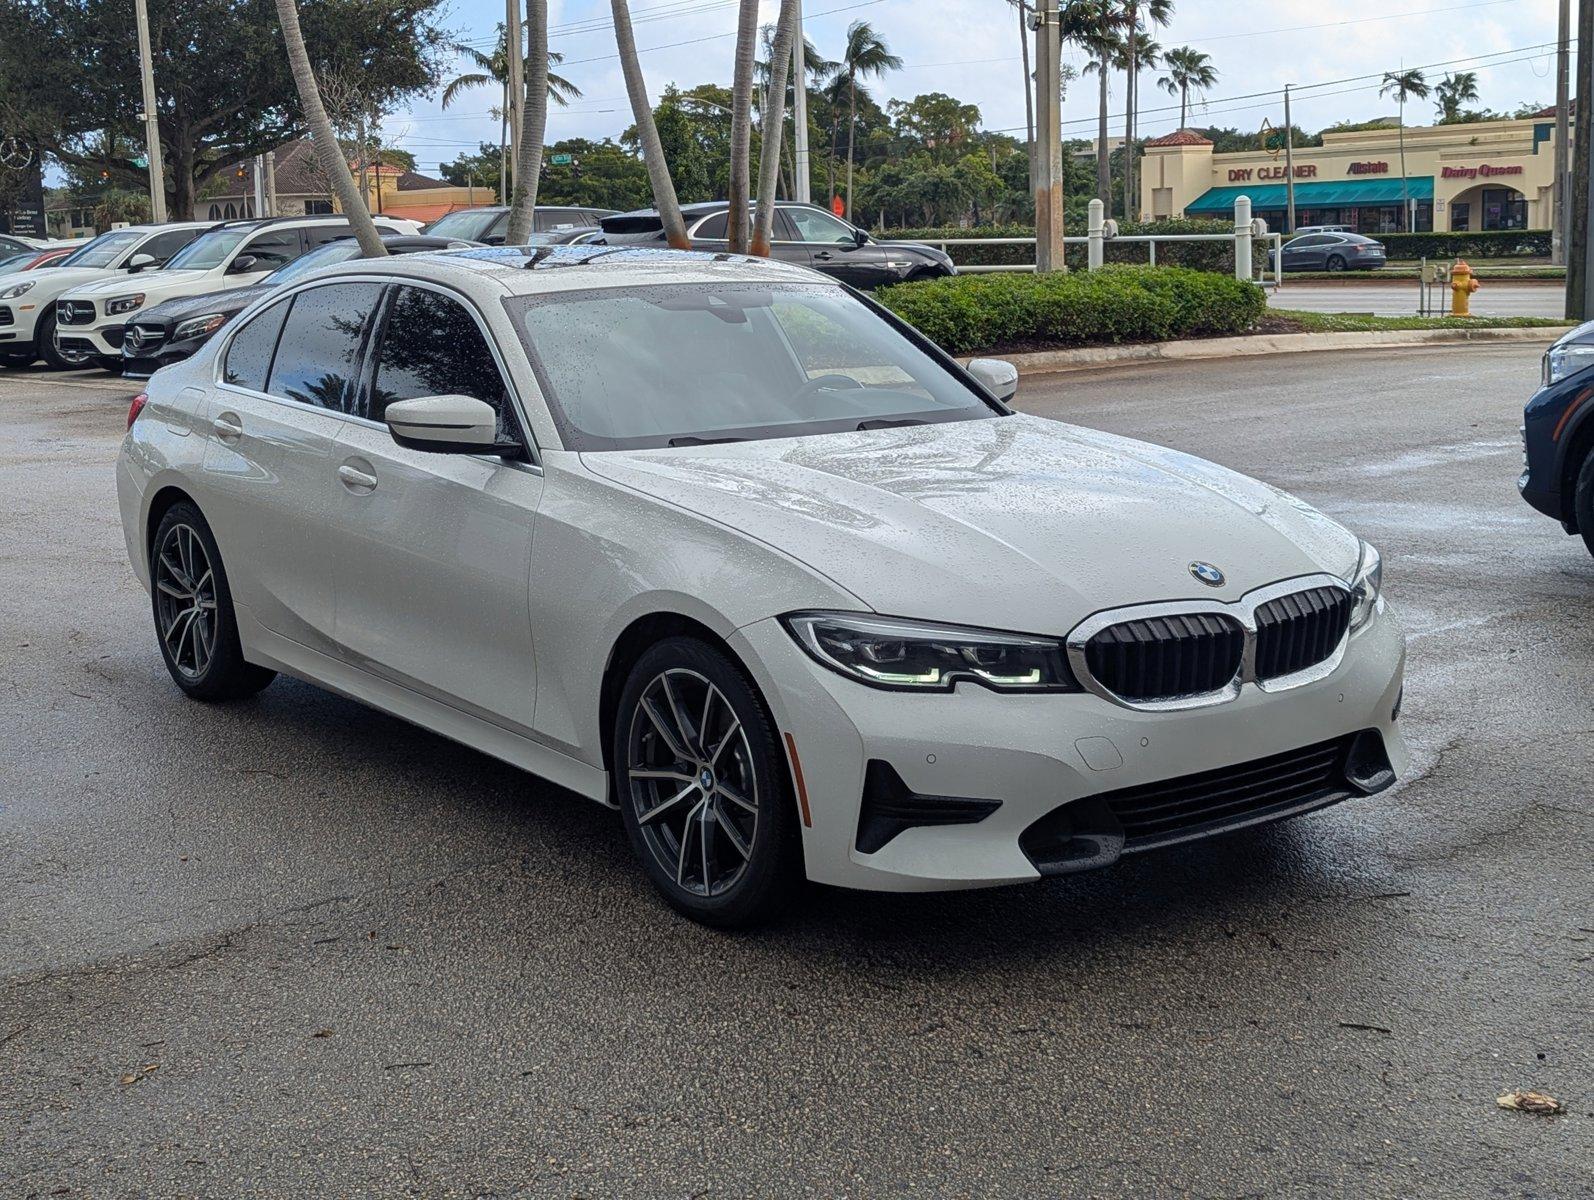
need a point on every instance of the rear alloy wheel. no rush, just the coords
(1583, 501)
(193, 611)
(702, 786)
(1336, 263)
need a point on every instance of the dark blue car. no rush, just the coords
(1558, 436)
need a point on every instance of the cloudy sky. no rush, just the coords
(969, 48)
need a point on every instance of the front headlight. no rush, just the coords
(123, 304)
(198, 327)
(1561, 361)
(1366, 584)
(904, 655)
(11, 293)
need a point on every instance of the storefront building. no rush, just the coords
(1487, 175)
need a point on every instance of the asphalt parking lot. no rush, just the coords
(293, 947)
(1399, 297)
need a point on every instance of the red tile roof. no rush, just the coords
(1184, 137)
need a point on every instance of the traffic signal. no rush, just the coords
(575, 168)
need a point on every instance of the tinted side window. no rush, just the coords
(249, 357)
(163, 245)
(320, 345)
(432, 346)
(815, 226)
(273, 248)
(714, 228)
(320, 235)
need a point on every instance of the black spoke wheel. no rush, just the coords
(194, 620)
(703, 786)
(1336, 263)
(1583, 501)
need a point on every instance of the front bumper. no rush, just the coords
(1035, 755)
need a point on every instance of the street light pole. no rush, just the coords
(1289, 165)
(799, 112)
(152, 128)
(1559, 195)
(516, 71)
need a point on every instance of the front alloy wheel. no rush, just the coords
(702, 786)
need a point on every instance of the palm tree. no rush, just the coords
(1402, 84)
(494, 69)
(819, 69)
(736, 230)
(866, 54)
(1137, 17)
(647, 133)
(327, 151)
(1453, 91)
(1188, 71)
(1091, 25)
(774, 117)
(534, 110)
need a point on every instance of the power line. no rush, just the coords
(1416, 12)
(713, 37)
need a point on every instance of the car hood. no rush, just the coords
(52, 283)
(1016, 521)
(229, 302)
(154, 284)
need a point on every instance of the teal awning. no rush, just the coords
(1321, 193)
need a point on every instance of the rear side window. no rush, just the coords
(273, 248)
(714, 228)
(249, 356)
(432, 346)
(319, 351)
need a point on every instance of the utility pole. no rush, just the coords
(1289, 165)
(799, 112)
(271, 183)
(1029, 87)
(1579, 243)
(1049, 139)
(152, 126)
(1559, 196)
(516, 48)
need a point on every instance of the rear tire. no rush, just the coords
(1583, 501)
(703, 786)
(192, 605)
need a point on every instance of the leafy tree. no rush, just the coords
(69, 78)
(1092, 25)
(935, 123)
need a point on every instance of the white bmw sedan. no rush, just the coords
(721, 544)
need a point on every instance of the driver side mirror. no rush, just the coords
(444, 425)
(140, 262)
(998, 376)
(860, 238)
(242, 265)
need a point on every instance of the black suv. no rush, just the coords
(1558, 436)
(803, 233)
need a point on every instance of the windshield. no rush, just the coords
(341, 250)
(471, 224)
(208, 249)
(688, 364)
(104, 250)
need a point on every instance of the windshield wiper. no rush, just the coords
(889, 422)
(693, 440)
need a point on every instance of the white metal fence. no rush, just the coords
(1244, 238)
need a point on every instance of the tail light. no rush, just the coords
(139, 401)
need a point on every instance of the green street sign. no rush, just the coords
(141, 162)
(559, 160)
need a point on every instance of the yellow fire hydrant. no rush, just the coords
(1462, 285)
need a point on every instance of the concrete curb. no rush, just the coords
(1046, 361)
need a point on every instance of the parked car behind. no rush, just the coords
(170, 332)
(33, 260)
(1558, 435)
(489, 225)
(28, 298)
(804, 234)
(90, 319)
(1331, 252)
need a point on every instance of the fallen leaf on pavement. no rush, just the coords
(1530, 1102)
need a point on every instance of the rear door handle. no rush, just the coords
(355, 479)
(228, 427)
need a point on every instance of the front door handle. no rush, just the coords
(823, 255)
(228, 427)
(355, 479)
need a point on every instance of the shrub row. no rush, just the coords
(1203, 256)
(1494, 243)
(967, 314)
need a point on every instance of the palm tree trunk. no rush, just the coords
(327, 151)
(1405, 193)
(774, 122)
(636, 89)
(1129, 119)
(736, 225)
(533, 125)
(1184, 102)
(852, 131)
(503, 147)
(1103, 168)
(1029, 96)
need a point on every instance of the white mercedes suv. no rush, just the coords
(90, 318)
(722, 544)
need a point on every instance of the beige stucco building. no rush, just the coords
(1484, 175)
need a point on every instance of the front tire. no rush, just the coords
(46, 347)
(1583, 500)
(703, 787)
(192, 604)
(1336, 263)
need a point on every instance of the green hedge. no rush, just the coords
(967, 314)
(1497, 243)
(1204, 256)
